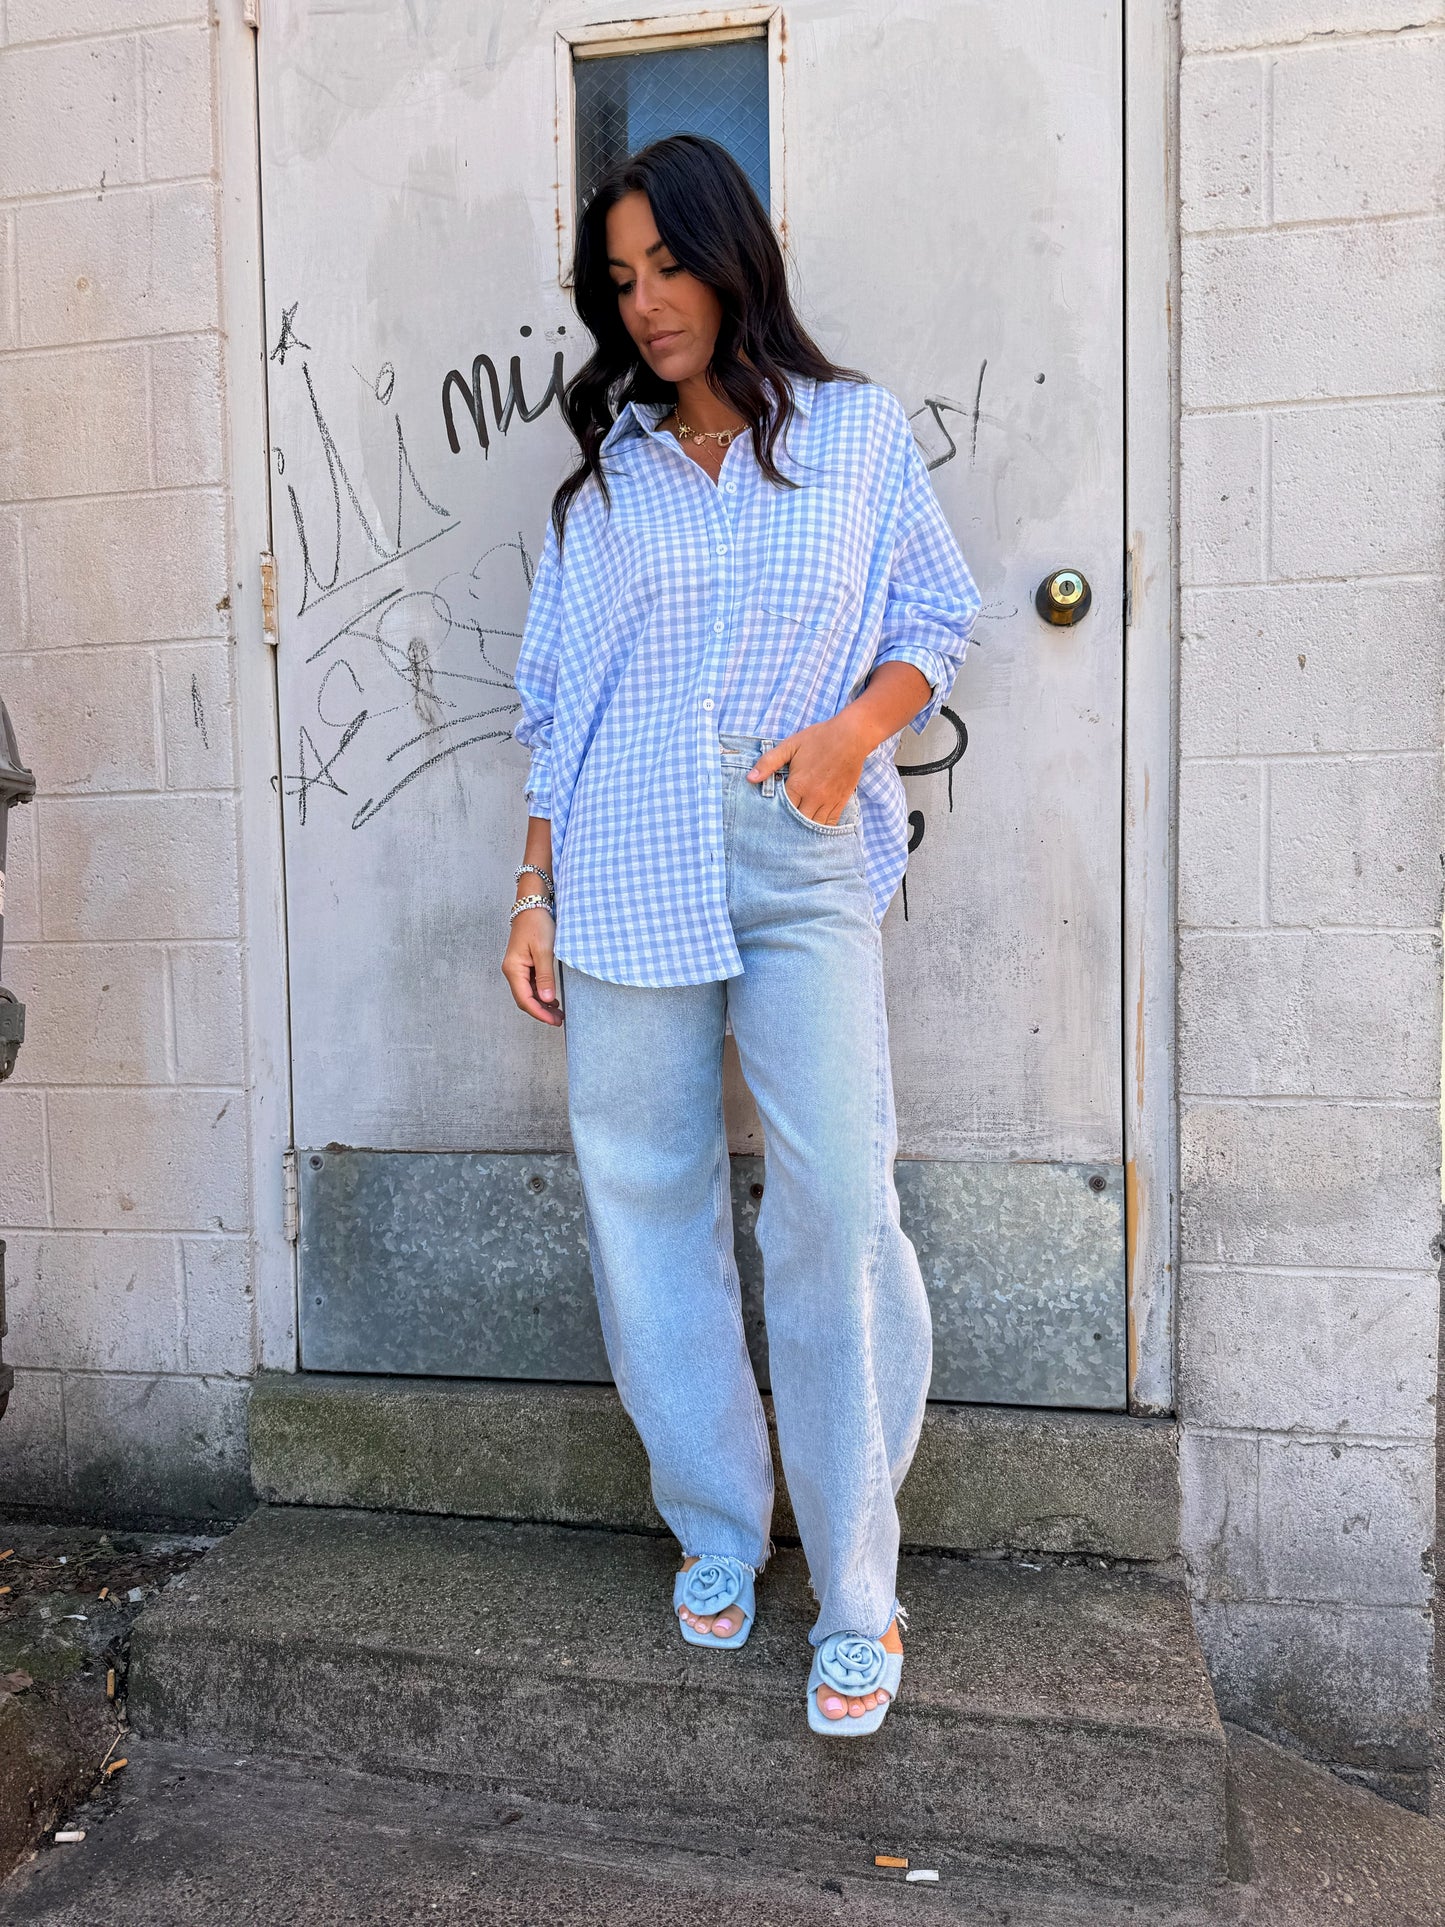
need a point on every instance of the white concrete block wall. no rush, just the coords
(123, 1134)
(1312, 149)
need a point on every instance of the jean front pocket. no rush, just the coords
(845, 826)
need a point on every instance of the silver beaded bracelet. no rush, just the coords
(536, 870)
(549, 904)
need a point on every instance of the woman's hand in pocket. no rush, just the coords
(529, 967)
(826, 761)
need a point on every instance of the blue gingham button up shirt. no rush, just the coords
(696, 608)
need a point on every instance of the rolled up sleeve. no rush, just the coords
(932, 602)
(536, 675)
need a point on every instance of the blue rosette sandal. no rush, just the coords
(710, 1587)
(852, 1665)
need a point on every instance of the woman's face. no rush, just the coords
(671, 315)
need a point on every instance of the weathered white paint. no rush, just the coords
(1151, 1152)
(973, 216)
(263, 909)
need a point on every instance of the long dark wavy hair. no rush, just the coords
(715, 225)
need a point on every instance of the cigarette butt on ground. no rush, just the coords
(110, 1682)
(8, 1553)
(72, 1833)
(4, 1589)
(115, 1767)
(103, 1591)
(922, 1873)
(888, 1860)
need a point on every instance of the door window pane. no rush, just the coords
(626, 100)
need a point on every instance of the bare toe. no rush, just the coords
(856, 1709)
(830, 1706)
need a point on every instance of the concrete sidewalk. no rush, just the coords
(187, 1838)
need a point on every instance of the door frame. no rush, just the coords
(1149, 541)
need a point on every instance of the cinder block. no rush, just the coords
(32, 1441)
(21, 890)
(149, 1160)
(1309, 1184)
(220, 1306)
(1355, 842)
(12, 569)
(86, 718)
(1348, 1685)
(176, 80)
(1261, 23)
(1346, 1524)
(8, 329)
(59, 19)
(1221, 145)
(68, 117)
(1220, 843)
(140, 866)
(1309, 1351)
(93, 1304)
(186, 411)
(1359, 129)
(1221, 498)
(95, 1013)
(1297, 1013)
(73, 423)
(158, 1447)
(196, 707)
(1317, 666)
(1311, 313)
(1357, 490)
(146, 568)
(206, 1012)
(23, 1200)
(1219, 1533)
(138, 262)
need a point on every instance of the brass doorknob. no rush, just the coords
(1064, 597)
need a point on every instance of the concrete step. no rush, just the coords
(190, 1838)
(985, 1477)
(1057, 1714)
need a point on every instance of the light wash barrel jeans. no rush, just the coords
(849, 1335)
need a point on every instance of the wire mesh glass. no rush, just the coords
(626, 100)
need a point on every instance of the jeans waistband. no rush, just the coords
(741, 752)
(744, 748)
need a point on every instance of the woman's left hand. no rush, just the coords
(827, 760)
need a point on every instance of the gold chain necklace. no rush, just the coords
(722, 436)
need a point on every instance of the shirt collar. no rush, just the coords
(640, 416)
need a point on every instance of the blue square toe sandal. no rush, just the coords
(853, 1666)
(710, 1587)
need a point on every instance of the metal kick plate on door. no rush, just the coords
(474, 1265)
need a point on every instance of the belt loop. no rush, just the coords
(768, 781)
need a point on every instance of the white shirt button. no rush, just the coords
(722, 548)
(707, 702)
(717, 628)
(731, 487)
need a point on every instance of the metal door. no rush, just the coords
(948, 182)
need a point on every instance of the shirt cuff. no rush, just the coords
(538, 788)
(940, 671)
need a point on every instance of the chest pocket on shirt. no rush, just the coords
(807, 625)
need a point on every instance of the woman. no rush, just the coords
(747, 589)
